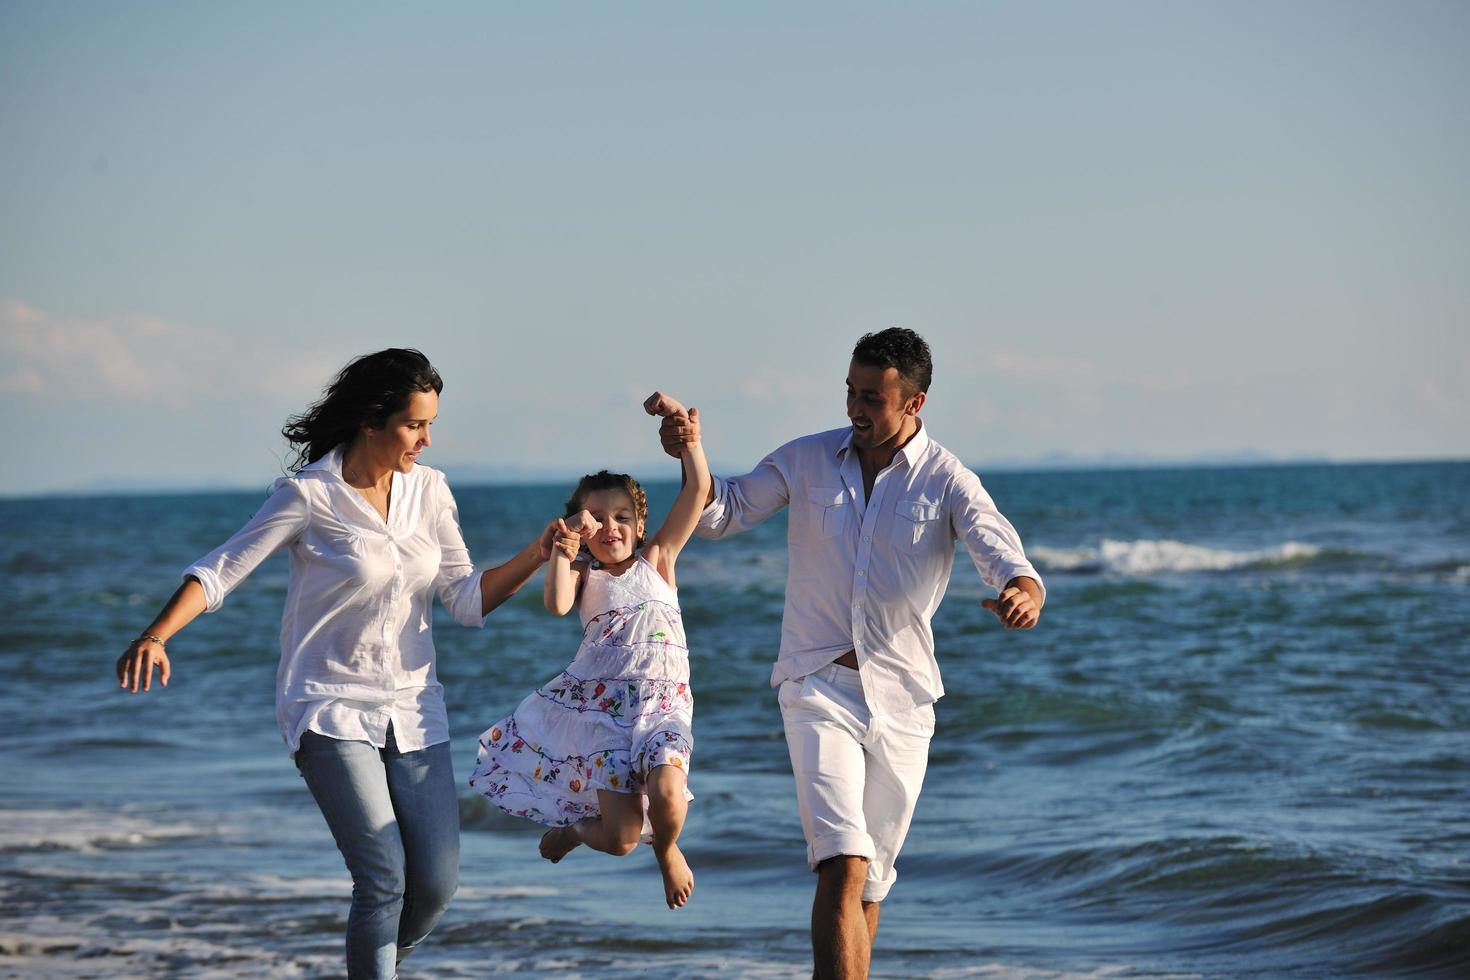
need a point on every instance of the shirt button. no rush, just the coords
(867, 537)
(862, 572)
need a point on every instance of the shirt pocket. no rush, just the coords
(831, 510)
(919, 522)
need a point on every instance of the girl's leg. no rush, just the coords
(613, 831)
(427, 806)
(667, 808)
(351, 788)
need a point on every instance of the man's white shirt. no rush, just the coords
(866, 573)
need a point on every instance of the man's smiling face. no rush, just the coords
(879, 402)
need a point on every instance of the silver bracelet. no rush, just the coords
(155, 639)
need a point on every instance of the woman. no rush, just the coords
(372, 536)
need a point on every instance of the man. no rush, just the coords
(875, 510)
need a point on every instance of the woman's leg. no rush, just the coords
(426, 804)
(667, 808)
(350, 785)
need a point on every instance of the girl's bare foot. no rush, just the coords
(678, 879)
(557, 842)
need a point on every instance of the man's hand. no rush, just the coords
(680, 428)
(1015, 607)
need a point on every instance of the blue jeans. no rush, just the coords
(395, 816)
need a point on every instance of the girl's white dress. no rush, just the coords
(622, 707)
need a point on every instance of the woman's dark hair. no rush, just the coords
(365, 392)
(899, 348)
(603, 480)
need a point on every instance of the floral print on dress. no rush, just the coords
(622, 708)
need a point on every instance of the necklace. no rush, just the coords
(372, 493)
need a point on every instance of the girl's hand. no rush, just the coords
(679, 430)
(662, 405)
(567, 542)
(136, 665)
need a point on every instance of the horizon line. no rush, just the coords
(533, 476)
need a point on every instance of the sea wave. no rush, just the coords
(1149, 556)
(75, 830)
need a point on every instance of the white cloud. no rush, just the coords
(142, 359)
(104, 357)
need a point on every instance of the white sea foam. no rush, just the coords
(1148, 556)
(1006, 971)
(53, 949)
(84, 830)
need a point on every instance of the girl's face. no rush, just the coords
(616, 540)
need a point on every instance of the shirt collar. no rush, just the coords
(330, 463)
(916, 446)
(911, 451)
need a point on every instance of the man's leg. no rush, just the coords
(842, 940)
(825, 719)
(870, 914)
(897, 755)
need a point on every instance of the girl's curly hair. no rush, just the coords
(603, 480)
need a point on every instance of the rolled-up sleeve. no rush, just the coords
(457, 583)
(991, 540)
(742, 502)
(280, 519)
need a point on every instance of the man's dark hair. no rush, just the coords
(900, 348)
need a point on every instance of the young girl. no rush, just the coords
(601, 753)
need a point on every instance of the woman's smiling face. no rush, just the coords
(405, 435)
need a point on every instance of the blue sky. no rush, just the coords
(1155, 229)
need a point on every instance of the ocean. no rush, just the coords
(1237, 745)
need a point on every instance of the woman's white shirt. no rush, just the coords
(357, 642)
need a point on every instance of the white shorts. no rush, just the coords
(857, 779)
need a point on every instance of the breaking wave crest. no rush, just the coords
(1149, 556)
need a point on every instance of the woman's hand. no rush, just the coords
(547, 541)
(570, 532)
(582, 523)
(135, 666)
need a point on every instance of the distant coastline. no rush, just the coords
(480, 475)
